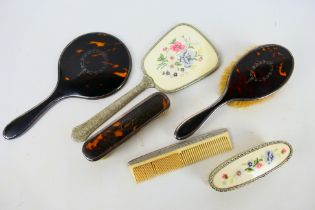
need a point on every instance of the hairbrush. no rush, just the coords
(261, 72)
(180, 155)
(250, 165)
(122, 129)
(180, 58)
(92, 66)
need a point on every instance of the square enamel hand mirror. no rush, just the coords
(180, 58)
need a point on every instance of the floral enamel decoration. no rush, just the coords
(178, 57)
(253, 165)
(181, 57)
(250, 165)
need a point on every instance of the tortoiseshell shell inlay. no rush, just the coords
(120, 130)
(94, 65)
(260, 72)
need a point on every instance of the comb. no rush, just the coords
(180, 155)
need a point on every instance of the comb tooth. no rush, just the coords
(229, 143)
(218, 146)
(199, 155)
(168, 163)
(202, 152)
(139, 174)
(179, 156)
(224, 145)
(208, 150)
(222, 142)
(192, 153)
(144, 172)
(205, 151)
(211, 149)
(187, 156)
(215, 148)
(191, 160)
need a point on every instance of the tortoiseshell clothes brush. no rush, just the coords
(261, 72)
(126, 126)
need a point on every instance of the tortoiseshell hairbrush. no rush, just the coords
(180, 155)
(122, 129)
(261, 72)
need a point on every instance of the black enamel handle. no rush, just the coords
(191, 125)
(22, 123)
(122, 129)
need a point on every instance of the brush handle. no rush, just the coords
(193, 123)
(83, 131)
(122, 129)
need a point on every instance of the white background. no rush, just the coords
(45, 169)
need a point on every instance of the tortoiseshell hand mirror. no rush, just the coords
(182, 57)
(92, 66)
(258, 74)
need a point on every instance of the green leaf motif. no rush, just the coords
(249, 169)
(256, 161)
(178, 63)
(161, 58)
(161, 65)
(173, 41)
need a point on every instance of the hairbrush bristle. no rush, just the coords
(179, 155)
(223, 83)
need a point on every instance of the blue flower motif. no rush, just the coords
(250, 164)
(187, 57)
(269, 156)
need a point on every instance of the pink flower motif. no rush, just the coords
(177, 46)
(225, 176)
(164, 49)
(259, 165)
(283, 150)
(238, 173)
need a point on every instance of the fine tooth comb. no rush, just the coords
(250, 165)
(180, 155)
(261, 72)
(180, 58)
(122, 129)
